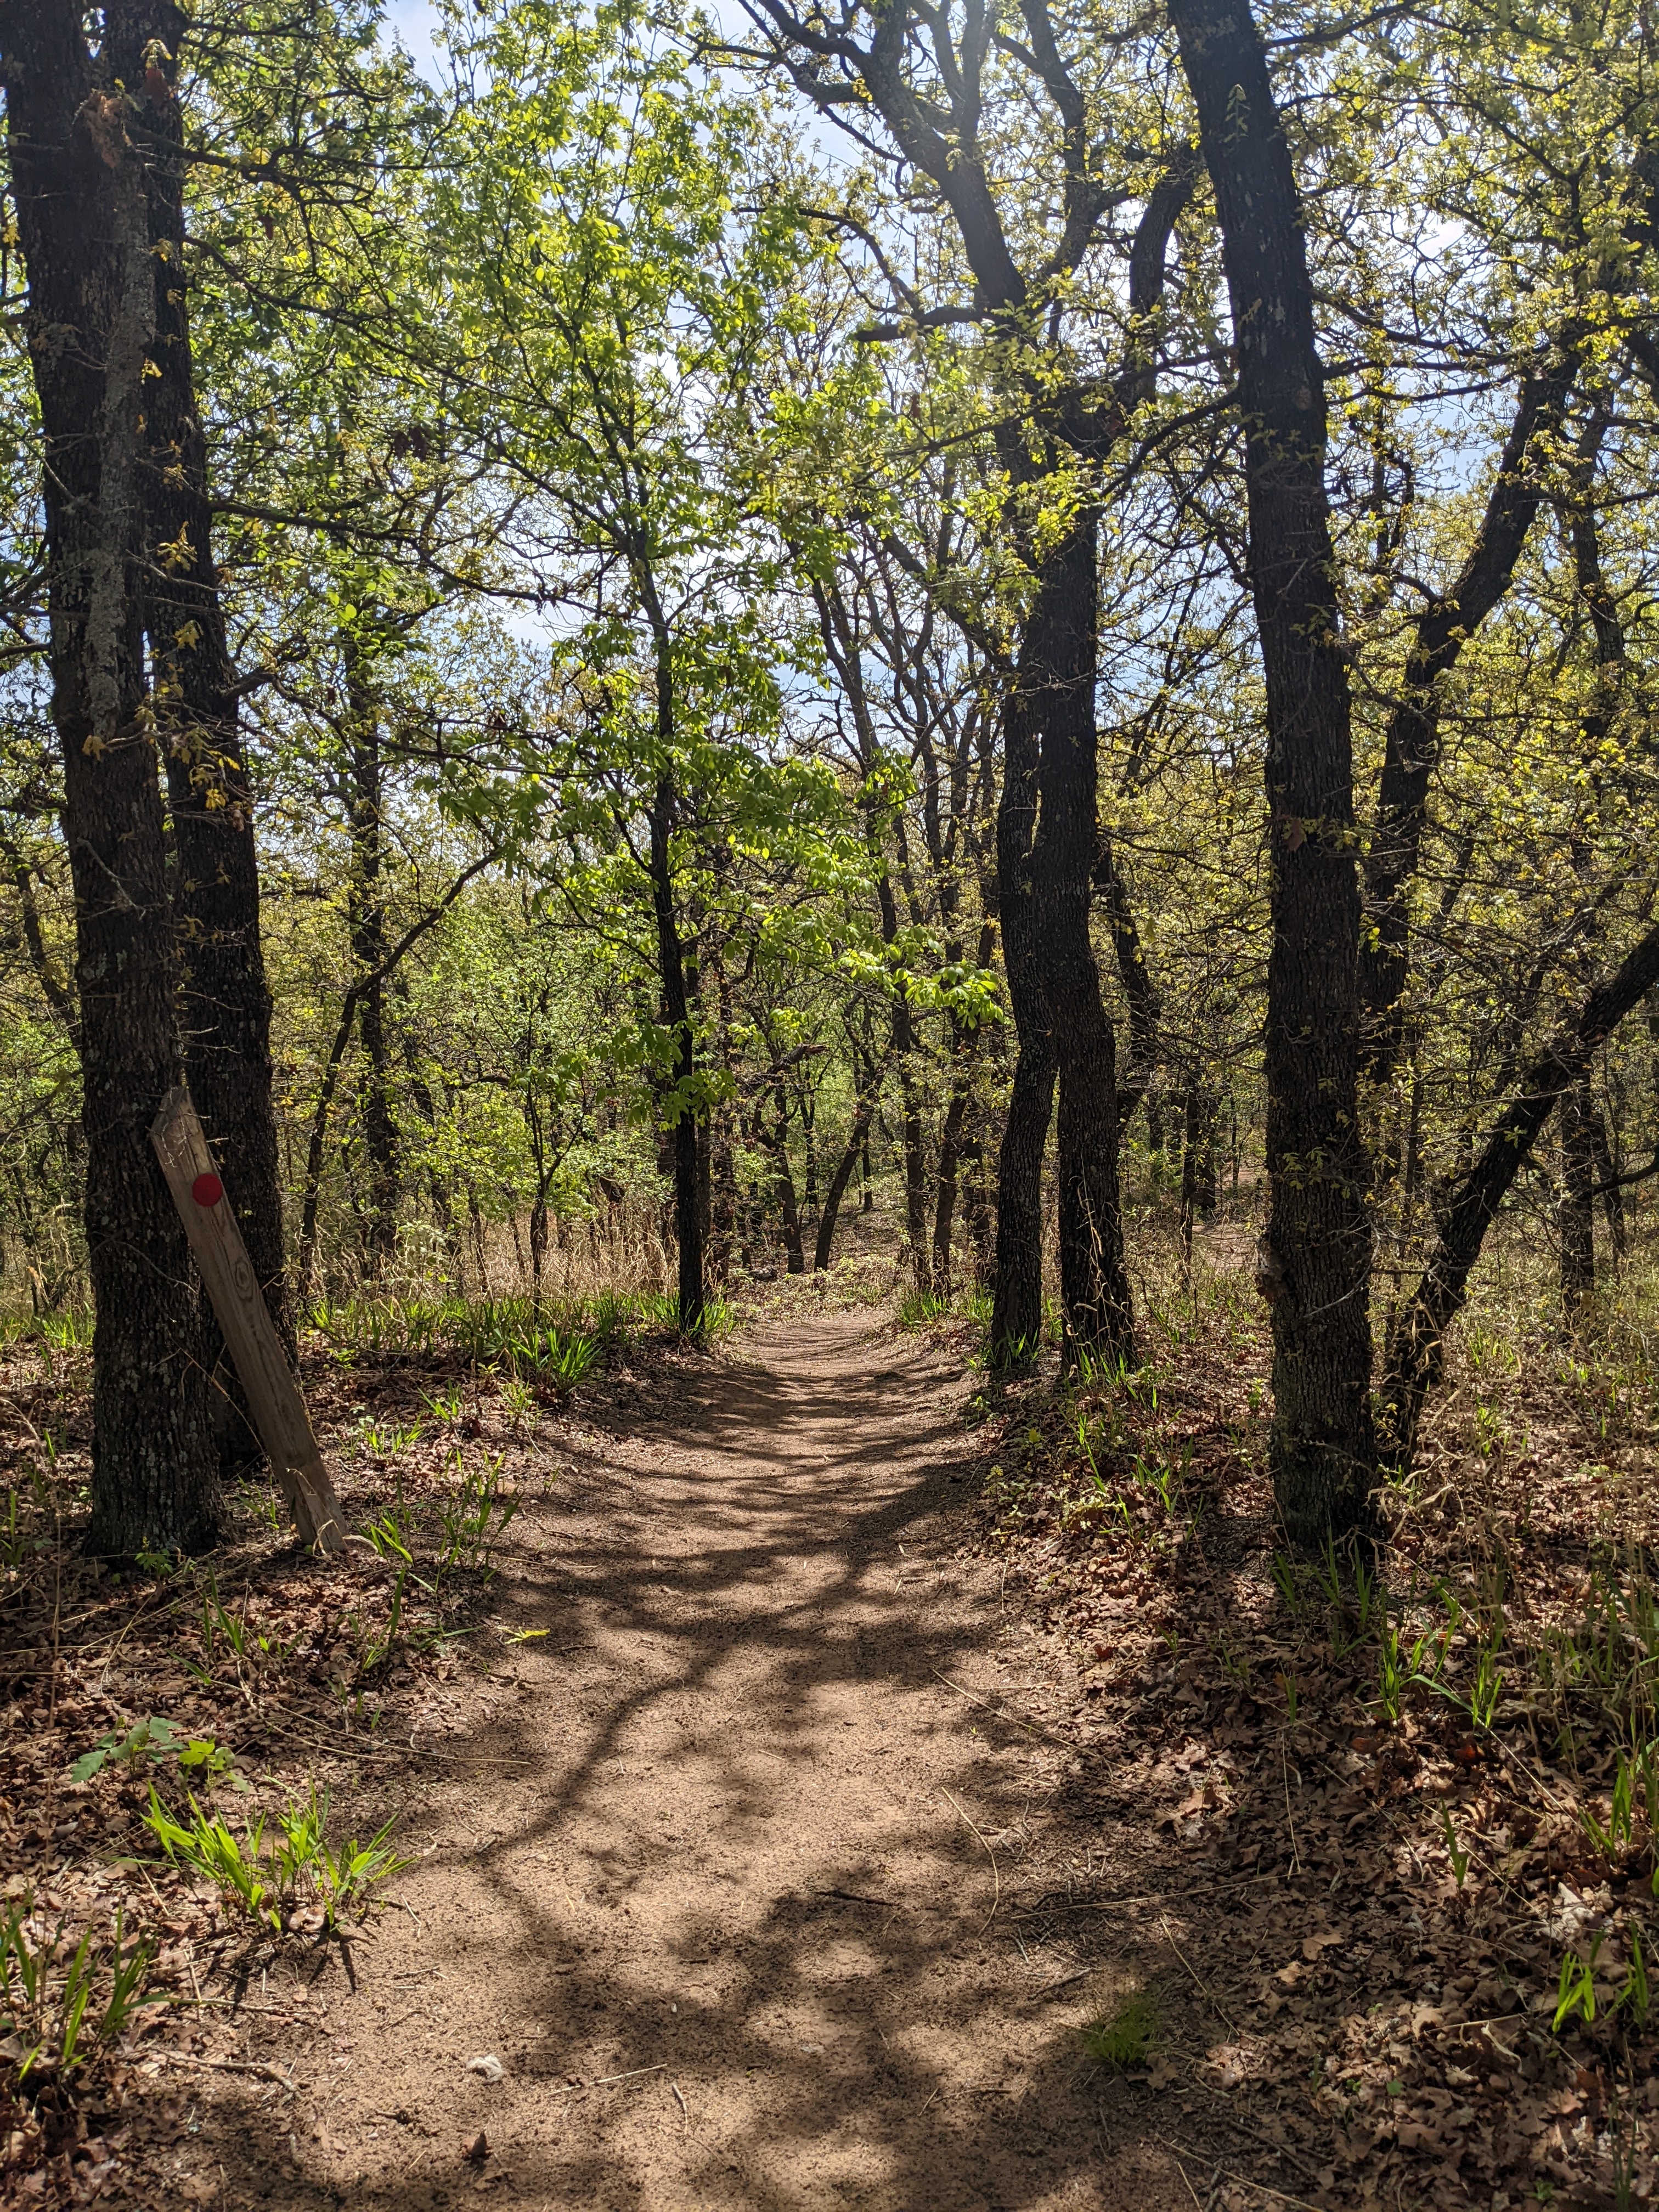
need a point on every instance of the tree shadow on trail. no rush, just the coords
(737, 1832)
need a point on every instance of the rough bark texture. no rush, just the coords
(677, 1015)
(1061, 644)
(1017, 1297)
(225, 1000)
(863, 1114)
(367, 925)
(1575, 1214)
(1317, 1255)
(79, 187)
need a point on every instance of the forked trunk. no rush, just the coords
(79, 190)
(225, 1000)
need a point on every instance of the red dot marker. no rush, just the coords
(207, 1190)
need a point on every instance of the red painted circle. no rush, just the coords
(207, 1190)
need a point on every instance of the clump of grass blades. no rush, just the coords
(296, 1869)
(59, 2007)
(550, 1341)
(917, 1308)
(1123, 2036)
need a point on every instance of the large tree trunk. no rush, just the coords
(1017, 1294)
(1061, 643)
(1317, 1258)
(366, 918)
(226, 1002)
(1576, 1213)
(79, 189)
(677, 1015)
(863, 1112)
(1017, 1302)
(950, 1155)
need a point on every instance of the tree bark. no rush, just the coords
(677, 1015)
(79, 189)
(1062, 642)
(1017, 1294)
(843, 1174)
(366, 918)
(226, 1002)
(1317, 1258)
(1017, 1302)
(788, 1206)
(1576, 1213)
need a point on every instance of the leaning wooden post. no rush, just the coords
(273, 1396)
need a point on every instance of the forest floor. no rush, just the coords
(834, 1743)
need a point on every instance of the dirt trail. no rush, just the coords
(712, 1833)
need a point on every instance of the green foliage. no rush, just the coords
(280, 1865)
(475, 1521)
(1123, 2037)
(60, 2005)
(156, 1741)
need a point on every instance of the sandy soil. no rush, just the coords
(708, 1883)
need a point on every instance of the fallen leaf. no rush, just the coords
(478, 2150)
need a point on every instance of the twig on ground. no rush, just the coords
(1199, 1983)
(1014, 1720)
(996, 1876)
(1284, 1771)
(223, 2066)
(1065, 1982)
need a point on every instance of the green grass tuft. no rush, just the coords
(1124, 2036)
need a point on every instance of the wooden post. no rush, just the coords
(273, 1395)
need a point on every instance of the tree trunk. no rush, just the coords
(676, 1014)
(789, 1208)
(839, 1180)
(1062, 642)
(367, 923)
(1316, 1256)
(225, 1001)
(1575, 1214)
(79, 190)
(949, 1153)
(1017, 1302)
(1197, 1162)
(1017, 1295)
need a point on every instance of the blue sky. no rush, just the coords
(413, 21)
